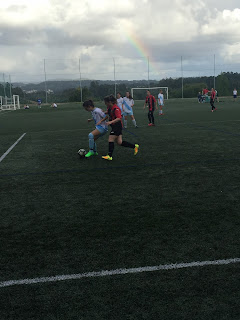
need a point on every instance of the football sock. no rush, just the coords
(91, 141)
(149, 118)
(110, 148)
(134, 123)
(125, 123)
(128, 145)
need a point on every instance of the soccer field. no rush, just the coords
(164, 223)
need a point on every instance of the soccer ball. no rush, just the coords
(82, 153)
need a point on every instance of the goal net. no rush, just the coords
(12, 103)
(141, 93)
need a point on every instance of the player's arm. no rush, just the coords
(113, 121)
(102, 120)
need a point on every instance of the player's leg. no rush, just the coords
(111, 139)
(127, 144)
(152, 116)
(93, 136)
(133, 121)
(160, 109)
(125, 120)
(149, 118)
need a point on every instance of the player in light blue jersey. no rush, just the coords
(99, 117)
(128, 104)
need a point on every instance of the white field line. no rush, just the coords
(105, 273)
(10, 149)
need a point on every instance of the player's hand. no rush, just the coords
(108, 123)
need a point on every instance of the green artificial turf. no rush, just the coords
(176, 201)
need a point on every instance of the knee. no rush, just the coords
(91, 136)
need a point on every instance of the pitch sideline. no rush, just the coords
(115, 272)
(10, 149)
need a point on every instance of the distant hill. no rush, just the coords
(61, 85)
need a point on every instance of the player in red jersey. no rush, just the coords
(212, 99)
(115, 121)
(151, 101)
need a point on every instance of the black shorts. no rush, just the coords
(116, 130)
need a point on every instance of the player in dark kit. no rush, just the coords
(115, 121)
(212, 99)
(151, 102)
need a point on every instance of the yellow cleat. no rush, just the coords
(107, 157)
(136, 149)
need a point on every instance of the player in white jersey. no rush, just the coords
(128, 104)
(160, 102)
(101, 127)
(120, 102)
(235, 94)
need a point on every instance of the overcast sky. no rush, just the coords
(129, 31)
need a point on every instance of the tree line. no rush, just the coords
(97, 90)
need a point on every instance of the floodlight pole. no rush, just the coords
(80, 78)
(114, 77)
(182, 74)
(10, 88)
(148, 74)
(4, 85)
(44, 65)
(214, 80)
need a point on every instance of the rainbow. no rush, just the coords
(141, 49)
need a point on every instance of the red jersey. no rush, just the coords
(150, 100)
(213, 95)
(115, 113)
(205, 91)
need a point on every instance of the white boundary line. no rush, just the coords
(105, 273)
(10, 149)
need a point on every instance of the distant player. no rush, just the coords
(128, 104)
(54, 105)
(160, 102)
(212, 99)
(39, 102)
(120, 102)
(235, 94)
(115, 122)
(151, 102)
(200, 100)
(99, 117)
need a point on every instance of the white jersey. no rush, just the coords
(98, 115)
(120, 103)
(128, 104)
(160, 99)
(234, 92)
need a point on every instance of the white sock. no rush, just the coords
(125, 123)
(134, 123)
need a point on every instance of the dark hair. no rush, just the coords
(88, 103)
(119, 93)
(110, 98)
(130, 97)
